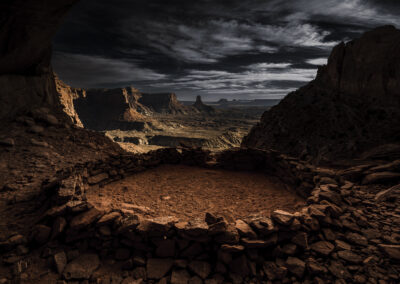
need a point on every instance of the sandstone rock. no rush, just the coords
(108, 219)
(255, 244)
(357, 239)
(230, 236)
(81, 267)
(201, 268)
(301, 239)
(157, 268)
(392, 251)
(357, 79)
(350, 256)
(316, 268)
(289, 249)
(212, 219)
(322, 247)
(273, 272)
(282, 217)
(385, 194)
(340, 245)
(232, 248)
(97, 178)
(296, 266)
(180, 277)
(36, 129)
(157, 226)
(381, 177)
(60, 261)
(338, 270)
(85, 219)
(217, 228)
(245, 230)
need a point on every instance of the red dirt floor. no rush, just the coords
(189, 192)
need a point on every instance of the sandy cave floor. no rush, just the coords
(189, 192)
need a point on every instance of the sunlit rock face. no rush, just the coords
(26, 30)
(351, 106)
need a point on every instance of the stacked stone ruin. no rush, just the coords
(329, 240)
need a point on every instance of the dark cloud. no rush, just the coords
(236, 49)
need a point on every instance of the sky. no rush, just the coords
(236, 49)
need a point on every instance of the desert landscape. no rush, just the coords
(118, 185)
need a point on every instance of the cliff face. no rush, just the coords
(351, 106)
(103, 109)
(163, 103)
(26, 31)
(67, 95)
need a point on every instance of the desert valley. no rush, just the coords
(118, 185)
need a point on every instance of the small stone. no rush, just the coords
(81, 267)
(51, 119)
(60, 261)
(85, 219)
(245, 230)
(201, 268)
(385, 194)
(36, 129)
(301, 239)
(323, 247)
(108, 218)
(316, 268)
(97, 178)
(357, 239)
(212, 219)
(289, 249)
(350, 256)
(340, 245)
(295, 266)
(273, 272)
(157, 268)
(392, 251)
(8, 142)
(338, 270)
(381, 177)
(180, 277)
(282, 217)
(232, 248)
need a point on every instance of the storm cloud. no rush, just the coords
(232, 49)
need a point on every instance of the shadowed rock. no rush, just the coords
(351, 106)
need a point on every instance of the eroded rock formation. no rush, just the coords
(26, 31)
(201, 107)
(351, 106)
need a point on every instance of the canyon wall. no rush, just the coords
(351, 106)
